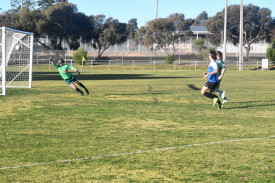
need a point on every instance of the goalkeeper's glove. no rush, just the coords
(77, 72)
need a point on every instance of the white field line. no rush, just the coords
(131, 153)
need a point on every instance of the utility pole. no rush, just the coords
(156, 9)
(21, 4)
(224, 31)
(241, 38)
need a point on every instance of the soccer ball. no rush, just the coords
(17, 47)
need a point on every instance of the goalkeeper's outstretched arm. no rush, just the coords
(76, 70)
(51, 61)
(54, 64)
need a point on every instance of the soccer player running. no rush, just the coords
(221, 71)
(67, 76)
(212, 80)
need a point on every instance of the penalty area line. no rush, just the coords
(131, 153)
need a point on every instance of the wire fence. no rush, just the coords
(146, 61)
(155, 65)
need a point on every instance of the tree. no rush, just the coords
(270, 53)
(163, 33)
(273, 33)
(10, 19)
(132, 28)
(24, 19)
(107, 32)
(44, 4)
(64, 23)
(28, 20)
(26, 3)
(198, 45)
(257, 25)
(201, 18)
(80, 56)
(273, 29)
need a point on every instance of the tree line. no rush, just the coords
(61, 20)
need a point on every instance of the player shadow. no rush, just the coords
(257, 68)
(193, 87)
(260, 68)
(266, 104)
(40, 76)
(253, 101)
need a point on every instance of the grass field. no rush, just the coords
(138, 126)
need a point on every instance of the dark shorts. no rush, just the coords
(70, 80)
(211, 85)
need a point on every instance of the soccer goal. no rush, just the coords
(16, 55)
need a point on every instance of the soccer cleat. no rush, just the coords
(221, 106)
(224, 100)
(215, 100)
(223, 95)
(87, 91)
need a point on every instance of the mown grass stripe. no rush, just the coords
(136, 152)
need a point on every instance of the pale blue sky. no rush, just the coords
(145, 10)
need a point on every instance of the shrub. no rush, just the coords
(204, 54)
(78, 56)
(198, 45)
(169, 59)
(270, 53)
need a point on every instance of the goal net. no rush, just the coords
(16, 55)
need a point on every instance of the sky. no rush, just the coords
(145, 10)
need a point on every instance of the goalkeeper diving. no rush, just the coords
(63, 70)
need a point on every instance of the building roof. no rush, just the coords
(199, 30)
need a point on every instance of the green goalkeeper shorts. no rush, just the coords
(70, 80)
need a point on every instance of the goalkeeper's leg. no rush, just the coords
(80, 84)
(81, 92)
(77, 89)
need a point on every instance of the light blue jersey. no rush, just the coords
(212, 66)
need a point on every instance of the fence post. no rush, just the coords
(81, 66)
(133, 63)
(109, 64)
(122, 53)
(154, 65)
(195, 65)
(91, 64)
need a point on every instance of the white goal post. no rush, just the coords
(16, 53)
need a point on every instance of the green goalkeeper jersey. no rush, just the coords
(64, 70)
(221, 65)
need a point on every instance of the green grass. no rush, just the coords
(138, 110)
